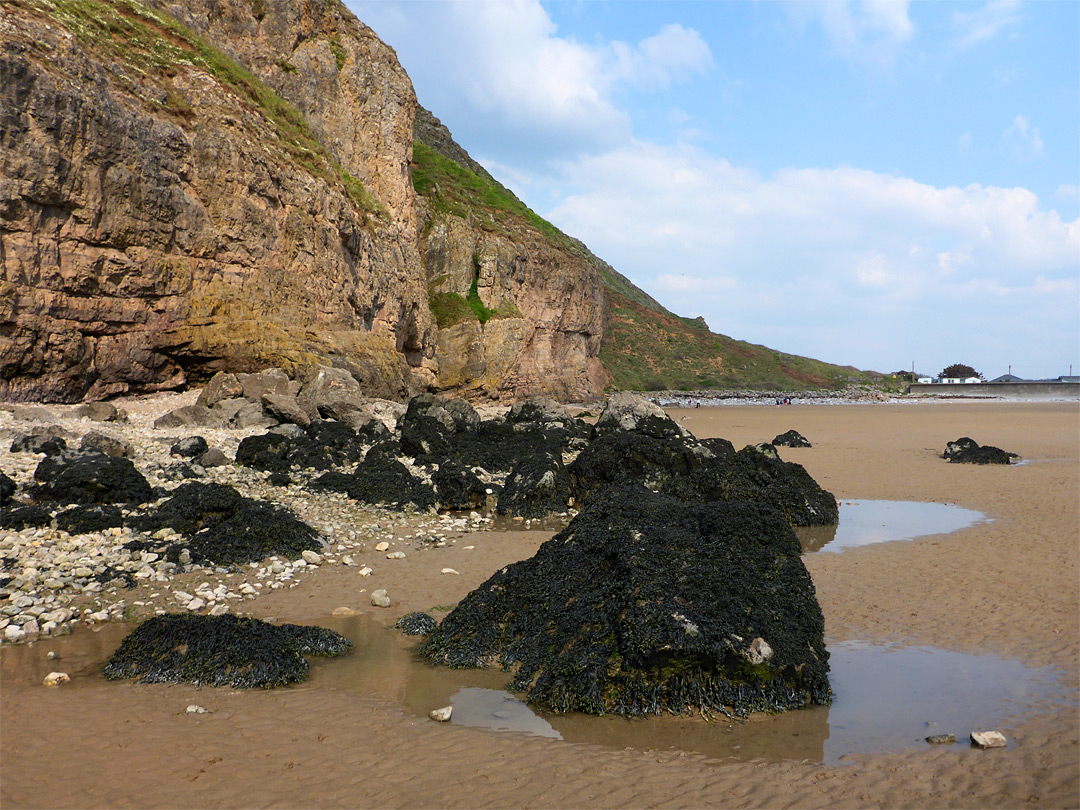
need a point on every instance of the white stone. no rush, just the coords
(396, 555)
(196, 604)
(343, 611)
(182, 596)
(380, 599)
(195, 709)
(56, 678)
(311, 557)
(365, 571)
(759, 651)
(449, 571)
(441, 715)
(14, 633)
(347, 560)
(989, 739)
(219, 610)
(383, 546)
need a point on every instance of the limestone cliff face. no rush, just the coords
(188, 187)
(546, 292)
(164, 212)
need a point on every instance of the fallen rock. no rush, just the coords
(214, 458)
(99, 412)
(220, 651)
(968, 451)
(222, 385)
(39, 443)
(285, 408)
(989, 739)
(108, 445)
(380, 598)
(7, 489)
(645, 604)
(194, 708)
(189, 447)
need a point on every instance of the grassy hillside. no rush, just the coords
(645, 347)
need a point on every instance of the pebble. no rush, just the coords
(941, 739)
(195, 709)
(343, 611)
(383, 546)
(396, 555)
(379, 598)
(56, 678)
(311, 558)
(449, 571)
(365, 571)
(441, 715)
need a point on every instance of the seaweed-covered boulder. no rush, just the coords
(458, 487)
(968, 451)
(616, 456)
(381, 479)
(220, 651)
(431, 422)
(18, 518)
(537, 486)
(645, 604)
(416, 624)
(7, 489)
(90, 477)
(791, 438)
(757, 473)
(323, 445)
(225, 528)
(39, 443)
(190, 446)
(92, 518)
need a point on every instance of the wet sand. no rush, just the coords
(1007, 587)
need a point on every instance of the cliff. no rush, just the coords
(191, 187)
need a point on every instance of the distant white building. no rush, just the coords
(959, 380)
(926, 380)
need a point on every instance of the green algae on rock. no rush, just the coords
(646, 604)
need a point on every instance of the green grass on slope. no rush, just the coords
(647, 350)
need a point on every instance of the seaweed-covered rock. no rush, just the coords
(190, 446)
(86, 519)
(18, 518)
(616, 456)
(968, 451)
(39, 443)
(322, 446)
(431, 422)
(758, 475)
(645, 604)
(791, 438)
(90, 477)
(537, 486)
(225, 528)
(381, 479)
(7, 489)
(416, 624)
(220, 651)
(458, 487)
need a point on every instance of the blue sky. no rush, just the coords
(872, 182)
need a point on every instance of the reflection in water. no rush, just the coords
(888, 697)
(865, 522)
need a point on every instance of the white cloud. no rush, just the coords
(865, 31)
(815, 261)
(507, 84)
(986, 22)
(1022, 140)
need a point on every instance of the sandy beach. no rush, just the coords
(1006, 587)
